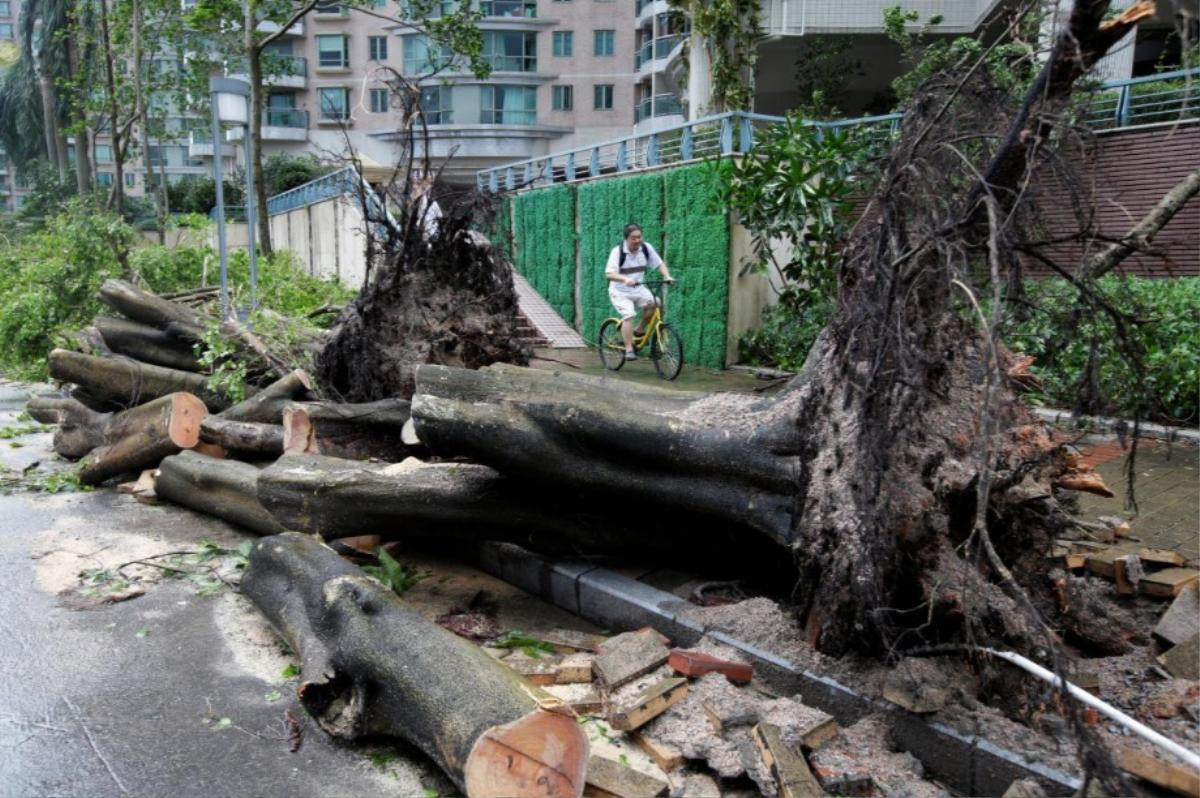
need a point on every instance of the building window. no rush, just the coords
(5, 8)
(376, 3)
(104, 153)
(378, 101)
(419, 58)
(435, 105)
(508, 8)
(330, 9)
(157, 156)
(130, 180)
(563, 98)
(604, 42)
(377, 48)
(564, 43)
(508, 105)
(602, 96)
(333, 51)
(510, 52)
(104, 178)
(335, 104)
(6, 30)
(423, 9)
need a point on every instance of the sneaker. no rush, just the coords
(631, 355)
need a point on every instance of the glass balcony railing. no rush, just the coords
(272, 65)
(285, 117)
(655, 49)
(508, 8)
(512, 63)
(658, 105)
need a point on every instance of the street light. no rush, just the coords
(230, 106)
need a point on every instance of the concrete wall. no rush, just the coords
(327, 239)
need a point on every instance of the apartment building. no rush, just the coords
(12, 191)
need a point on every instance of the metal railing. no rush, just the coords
(1165, 97)
(658, 105)
(285, 117)
(344, 181)
(655, 49)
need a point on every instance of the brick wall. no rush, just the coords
(1125, 173)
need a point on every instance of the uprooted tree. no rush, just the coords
(899, 468)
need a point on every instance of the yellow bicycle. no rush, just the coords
(666, 347)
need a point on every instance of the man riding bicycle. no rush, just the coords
(625, 271)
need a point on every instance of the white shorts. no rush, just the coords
(629, 301)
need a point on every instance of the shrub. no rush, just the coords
(1081, 359)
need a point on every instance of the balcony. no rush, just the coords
(279, 124)
(268, 27)
(649, 8)
(508, 8)
(657, 106)
(200, 145)
(331, 11)
(653, 55)
(279, 71)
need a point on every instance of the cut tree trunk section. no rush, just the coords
(80, 428)
(147, 344)
(150, 309)
(227, 489)
(243, 436)
(266, 406)
(372, 430)
(128, 382)
(371, 666)
(144, 435)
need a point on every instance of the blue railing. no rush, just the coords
(345, 181)
(1165, 97)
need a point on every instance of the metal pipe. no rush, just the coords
(222, 252)
(251, 216)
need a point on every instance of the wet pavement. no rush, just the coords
(691, 378)
(1166, 492)
(171, 693)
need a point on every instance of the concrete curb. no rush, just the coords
(971, 765)
(1062, 418)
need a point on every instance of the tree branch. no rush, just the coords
(1137, 239)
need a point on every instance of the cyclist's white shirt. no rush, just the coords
(641, 260)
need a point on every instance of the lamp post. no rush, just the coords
(230, 106)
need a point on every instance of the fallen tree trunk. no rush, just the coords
(147, 344)
(80, 428)
(243, 436)
(142, 306)
(129, 382)
(371, 430)
(370, 665)
(226, 489)
(336, 498)
(266, 406)
(144, 435)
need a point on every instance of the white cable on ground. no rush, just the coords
(1108, 710)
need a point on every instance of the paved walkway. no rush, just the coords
(552, 327)
(1166, 489)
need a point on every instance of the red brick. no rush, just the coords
(697, 663)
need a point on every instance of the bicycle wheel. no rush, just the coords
(611, 345)
(666, 349)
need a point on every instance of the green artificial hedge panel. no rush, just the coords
(544, 240)
(605, 207)
(501, 234)
(698, 253)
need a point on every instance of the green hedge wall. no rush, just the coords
(675, 208)
(605, 207)
(698, 254)
(544, 240)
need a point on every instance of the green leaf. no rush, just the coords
(142, 633)
(273, 696)
(291, 671)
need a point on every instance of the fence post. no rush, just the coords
(747, 142)
(527, 178)
(726, 137)
(1123, 106)
(685, 144)
(570, 166)
(548, 172)
(622, 150)
(510, 178)
(652, 150)
(493, 182)
(594, 163)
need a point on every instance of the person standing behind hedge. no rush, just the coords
(625, 271)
